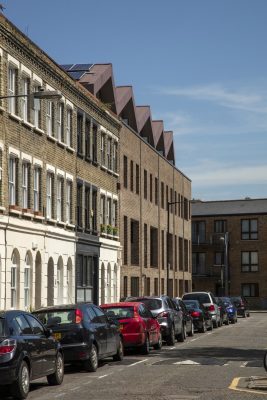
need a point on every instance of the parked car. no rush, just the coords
(208, 300)
(137, 325)
(241, 305)
(230, 309)
(86, 334)
(187, 318)
(223, 311)
(28, 351)
(201, 317)
(169, 318)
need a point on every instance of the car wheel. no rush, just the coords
(211, 326)
(158, 345)
(265, 361)
(181, 337)
(57, 377)
(119, 355)
(21, 387)
(248, 314)
(203, 328)
(244, 315)
(92, 363)
(215, 324)
(233, 321)
(227, 321)
(145, 348)
(191, 333)
(171, 337)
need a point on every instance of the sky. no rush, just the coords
(200, 64)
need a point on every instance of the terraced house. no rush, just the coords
(58, 186)
(155, 221)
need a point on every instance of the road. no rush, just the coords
(203, 367)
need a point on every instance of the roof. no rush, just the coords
(229, 207)
(62, 307)
(121, 304)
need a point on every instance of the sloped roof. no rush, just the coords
(157, 127)
(142, 115)
(168, 145)
(229, 207)
(126, 105)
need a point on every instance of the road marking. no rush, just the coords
(75, 388)
(234, 385)
(103, 376)
(138, 362)
(187, 362)
(60, 395)
(244, 364)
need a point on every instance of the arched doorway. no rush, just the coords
(15, 281)
(27, 280)
(109, 283)
(60, 275)
(102, 283)
(115, 283)
(50, 282)
(69, 282)
(38, 281)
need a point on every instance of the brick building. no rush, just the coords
(229, 244)
(55, 183)
(148, 181)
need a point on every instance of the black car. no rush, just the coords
(201, 317)
(241, 304)
(169, 318)
(85, 332)
(28, 351)
(188, 320)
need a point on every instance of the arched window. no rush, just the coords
(14, 280)
(60, 275)
(102, 284)
(27, 281)
(38, 281)
(109, 283)
(115, 283)
(69, 281)
(50, 282)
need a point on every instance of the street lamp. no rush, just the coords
(225, 271)
(41, 94)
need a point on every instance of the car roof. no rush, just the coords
(122, 304)
(63, 307)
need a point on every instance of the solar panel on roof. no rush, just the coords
(81, 67)
(76, 74)
(66, 66)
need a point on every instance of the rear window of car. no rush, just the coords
(2, 326)
(191, 303)
(119, 312)
(56, 317)
(152, 304)
(201, 297)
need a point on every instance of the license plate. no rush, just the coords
(57, 335)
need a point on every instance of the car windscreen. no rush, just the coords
(119, 312)
(152, 304)
(2, 326)
(191, 303)
(56, 317)
(201, 297)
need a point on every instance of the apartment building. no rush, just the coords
(58, 184)
(148, 183)
(229, 248)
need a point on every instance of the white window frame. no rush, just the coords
(60, 121)
(12, 88)
(49, 193)
(27, 282)
(36, 188)
(68, 127)
(49, 118)
(68, 200)
(12, 180)
(36, 109)
(102, 210)
(25, 185)
(13, 282)
(109, 211)
(102, 146)
(59, 197)
(25, 100)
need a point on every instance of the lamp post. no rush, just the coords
(225, 271)
(41, 94)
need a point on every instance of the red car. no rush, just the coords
(138, 326)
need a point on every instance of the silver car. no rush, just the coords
(209, 302)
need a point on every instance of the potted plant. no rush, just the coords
(115, 230)
(109, 229)
(103, 228)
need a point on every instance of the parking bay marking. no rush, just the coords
(138, 362)
(235, 383)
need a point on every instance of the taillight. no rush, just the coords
(195, 314)
(78, 316)
(211, 307)
(163, 314)
(7, 346)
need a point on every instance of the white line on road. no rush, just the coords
(75, 388)
(103, 376)
(138, 362)
(59, 395)
(244, 364)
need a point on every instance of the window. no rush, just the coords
(87, 138)
(80, 134)
(171, 200)
(12, 181)
(181, 254)
(162, 250)
(23, 325)
(137, 179)
(153, 247)
(27, 282)
(162, 195)
(25, 185)
(50, 118)
(198, 232)
(36, 189)
(68, 201)
(125, 286)
(60, 185)
(36, 109)
(94, 210)
(12, 83)
(37, 328)
(125, 172)
(145, 245)
(220, 226)
(134, 242)
(134, 286)
(249, 261)
(199, 263)
(79, 204)
(186, 255)
(60, 122)
(249, 229)
(103, 160)
(1, 174)
(250, 289)
(109, 154)
(25, 109)
(125, 244)
(14, 281)
(114, 214)
(156, 286)
(219, 258)
(85, 277)
(131, 176)
(115, 157)
(167, 197)
(94, 143)
(69, 127)
(156, 191)
(145, 184)
(87, 207)
(102, 211)
(175, 205)
(151, 188)
(49, 195)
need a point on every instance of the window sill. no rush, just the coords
(2, 209)
(2, 109)
(28, 124)
(61, 144)
(71, 226)
(15, 211)
(70, 149)
(51, 221)
(15, 117)
(61, 223)
(38, 130)
(103, 167)
(40, 217)
(52, 138)
(27, 212)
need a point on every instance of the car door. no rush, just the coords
(177, 316)
(186, 315)
(100, 325)
(152, 325)
(47, 343)
(32, 344)
(144, 322)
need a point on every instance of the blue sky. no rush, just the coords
(200, 65)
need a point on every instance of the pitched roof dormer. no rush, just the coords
(169, 146)
(143, 116)
(158, 129)
(126, 105)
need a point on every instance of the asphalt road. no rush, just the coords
(203, 367)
